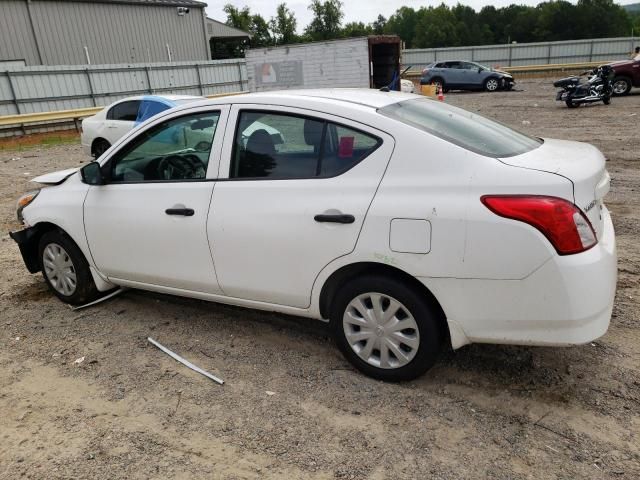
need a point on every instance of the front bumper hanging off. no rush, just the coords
(27, 240)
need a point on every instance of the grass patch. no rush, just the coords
(34, 140)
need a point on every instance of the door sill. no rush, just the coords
(212, 297)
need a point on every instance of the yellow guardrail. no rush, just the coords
(76, 114)
(552, 67)
(41, 117)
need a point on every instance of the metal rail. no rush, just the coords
(67, 115)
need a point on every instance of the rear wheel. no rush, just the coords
(100, 146)
(385, 328)
(621, 86)
(570, 104)
(65, 269)
(606, 100)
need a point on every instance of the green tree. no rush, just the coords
(327, 20)
(377, 26)
(403, 23)
(356, 29)
(257, 26)
(436, 28)
(601, 18)
(238, 18)
(283, 25)
(260, 33)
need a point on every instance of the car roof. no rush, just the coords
(364, 97)
(160, 98)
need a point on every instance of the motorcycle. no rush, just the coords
(598, 87)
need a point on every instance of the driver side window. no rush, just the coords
(177, 149)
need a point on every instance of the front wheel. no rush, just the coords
(491, 85)
(65, 269)
(570, 104)
(385, 328)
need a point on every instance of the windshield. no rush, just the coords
(465, 129)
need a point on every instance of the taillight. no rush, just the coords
(564, 225)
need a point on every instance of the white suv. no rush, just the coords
(409, 224)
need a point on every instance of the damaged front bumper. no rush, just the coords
(27, 240)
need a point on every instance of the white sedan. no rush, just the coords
(408, 224)
(107, 126)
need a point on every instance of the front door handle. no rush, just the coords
(186, 212)
(339, 218)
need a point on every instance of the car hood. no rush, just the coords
(620, 63)
(55, 178)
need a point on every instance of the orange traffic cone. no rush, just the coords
(440, 94)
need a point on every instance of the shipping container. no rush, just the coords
(367, 62)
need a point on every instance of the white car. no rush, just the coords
(409, 224)
(407, 86)
(107, 126)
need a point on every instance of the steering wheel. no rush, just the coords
(178, 167)
(202, 146)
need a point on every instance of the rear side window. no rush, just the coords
(282, 146)
(126, 111)
(462, 128)
(149, 108)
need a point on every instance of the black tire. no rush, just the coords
(570, 104)
(617, 84)
(606, 100)
(99, 147)
(85, 289)
(426, 318)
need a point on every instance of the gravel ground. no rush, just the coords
(292, 407)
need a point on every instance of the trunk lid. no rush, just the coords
(580, 163)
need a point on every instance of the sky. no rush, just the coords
(355, 10)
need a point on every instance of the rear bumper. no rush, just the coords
(27, 241)
(567, 301)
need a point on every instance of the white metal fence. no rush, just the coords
(519, 54)
(45, 89)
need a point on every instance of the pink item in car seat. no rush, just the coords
(345, 148)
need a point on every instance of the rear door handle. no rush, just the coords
(339, 218)
(186, 212)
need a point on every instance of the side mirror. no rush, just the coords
(91, 174)
(479, 70)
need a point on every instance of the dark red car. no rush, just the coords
(626, 75)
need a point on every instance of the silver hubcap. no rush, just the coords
(381, 330)
(492, 85)
(59, 269)
(620, 86)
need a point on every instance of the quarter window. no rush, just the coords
(281, 146)
(177, 149)
(125, 111)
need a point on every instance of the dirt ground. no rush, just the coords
(291, 406)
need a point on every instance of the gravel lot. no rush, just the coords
(129, 411)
